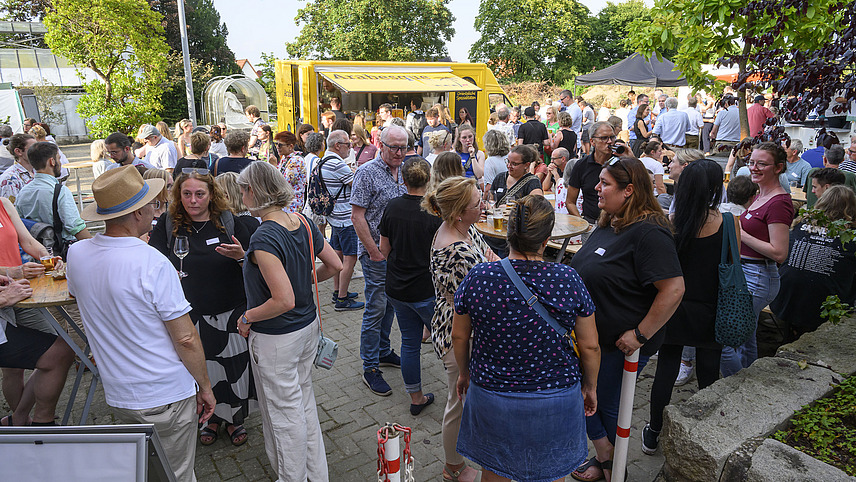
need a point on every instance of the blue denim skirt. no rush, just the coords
(527, 437)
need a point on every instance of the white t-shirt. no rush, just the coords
(623, 112)
(218, 148)
(126, 290)
(162, 156)
(493, 165)
(655, 166)
(561, 196)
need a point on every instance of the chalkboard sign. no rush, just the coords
(468, 100)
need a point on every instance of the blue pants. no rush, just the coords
(763, 283)
(378, 315)
(605, 421)
(412, 318)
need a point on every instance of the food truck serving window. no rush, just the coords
(398, 81)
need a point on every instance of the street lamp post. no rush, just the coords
(185, 53)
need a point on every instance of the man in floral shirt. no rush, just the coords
(21, 172)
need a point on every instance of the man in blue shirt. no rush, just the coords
(672, 125)
(797, 169)
(35, 201)
(631, 116)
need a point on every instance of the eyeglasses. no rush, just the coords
(395, 148)
(758, 165)
(156, 204)
(515, 163)
(282, 145)
(349, 143)
(605, 138)
(198, 170)
(617, 161)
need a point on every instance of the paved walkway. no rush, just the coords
(351, 415)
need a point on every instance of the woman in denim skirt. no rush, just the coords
(525, 391)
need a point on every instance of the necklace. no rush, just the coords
(200, 228)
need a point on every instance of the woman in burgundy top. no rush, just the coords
(763, 243)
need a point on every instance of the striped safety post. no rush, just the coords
(625, 415)
(390, 454)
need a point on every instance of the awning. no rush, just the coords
(398, 81)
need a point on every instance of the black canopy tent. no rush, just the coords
(636, 71)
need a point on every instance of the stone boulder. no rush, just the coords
(774, 461)
(829, 346)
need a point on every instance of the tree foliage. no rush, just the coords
(532, 39)
(48, 97)
(705, 31)
(122, 42)
(174, 98)
(395, 30)
(812, 76)
(267, 79)
(23, 11)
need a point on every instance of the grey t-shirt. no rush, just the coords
(292, 248)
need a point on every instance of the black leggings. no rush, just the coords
(668, 366)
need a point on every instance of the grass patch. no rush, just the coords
(826, 430)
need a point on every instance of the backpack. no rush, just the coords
(50, 235)
(417, 124)
(320, 201)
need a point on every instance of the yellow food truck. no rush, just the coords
(304, 87)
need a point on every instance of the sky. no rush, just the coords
(257, 26)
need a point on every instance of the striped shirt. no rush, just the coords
(336, 174)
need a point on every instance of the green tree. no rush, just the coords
(705, 31)
(174, 98)
(267, 79)
(396, 30)
(532, 39)
(23, 11)
(122, 42)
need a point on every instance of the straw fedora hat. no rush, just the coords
(120, 191)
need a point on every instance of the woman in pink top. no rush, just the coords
(764, 243)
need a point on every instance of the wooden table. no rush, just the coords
(797, 194)
(566, 227)
(50, 292)
(75, 166)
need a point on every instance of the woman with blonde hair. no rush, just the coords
(214, 287)
(228, 183)
(182, 136)
(282, 318)
(552, 120)
(456, 248)
(440, 142)
(98, 155)
(447, 164)
(163, 128)
(364, 151)
(497, 148)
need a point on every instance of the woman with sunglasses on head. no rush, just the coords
(214, 286)
(197, 156)
(764, 238)
(521, 368)
(630, 266)
(699, 235)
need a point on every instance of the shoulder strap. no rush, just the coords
(729, 240)
(532, 301)
(227, 219)
(57, 222)
(167, 224)
(216, 165)
(314, 275)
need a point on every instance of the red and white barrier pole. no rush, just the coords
(389, 453)
(625, 416)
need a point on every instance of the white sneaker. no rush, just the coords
(684, 375)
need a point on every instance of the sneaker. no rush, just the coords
(349, 305)
(374, 380)
(351, 295)
(650, 440)
(391, 360)
(684, 375)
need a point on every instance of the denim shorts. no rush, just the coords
(525, 436)
(344, 239)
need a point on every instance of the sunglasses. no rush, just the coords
(198, 170)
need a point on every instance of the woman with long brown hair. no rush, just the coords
(214, 286)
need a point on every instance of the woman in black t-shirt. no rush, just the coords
(630, 266)
(406, 232)
(215, 289)
(513, 184)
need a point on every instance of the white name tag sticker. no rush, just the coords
(748, 216)
(212, 241)
(600, 251)
(1, 225)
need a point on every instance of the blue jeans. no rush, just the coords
(377, 318)
(605, 421)
(763, 283)
(412, 318)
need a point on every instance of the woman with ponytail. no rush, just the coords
(519, 365)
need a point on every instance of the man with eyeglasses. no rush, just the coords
(375, 183)
(585, 174)
(571, 107)
(118, 147)
(558, 173)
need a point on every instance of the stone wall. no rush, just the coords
(720, 433)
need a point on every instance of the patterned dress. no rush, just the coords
(449, 265)
(293, 168)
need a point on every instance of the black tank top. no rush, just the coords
(569, 140)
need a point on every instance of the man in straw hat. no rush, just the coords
(133, 308)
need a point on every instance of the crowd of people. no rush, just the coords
(236, 329)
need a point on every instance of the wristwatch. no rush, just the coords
(245, 321)
(639, 336)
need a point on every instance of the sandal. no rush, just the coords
(208, 436)
(454, 475)
(6, 421)
(236, 435)
(607, 465)
(592, 462)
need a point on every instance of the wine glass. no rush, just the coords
(181, 248)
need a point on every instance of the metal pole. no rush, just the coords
(185, 53)
(625, 413)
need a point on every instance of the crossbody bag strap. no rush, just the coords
(532, 301)
(314, 275)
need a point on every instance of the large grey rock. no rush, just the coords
(777, 462)
(702, 432)
(829, 346)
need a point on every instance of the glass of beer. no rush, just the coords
(727, 176)
(497, 223)
(48, 261)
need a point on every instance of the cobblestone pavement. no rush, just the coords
(350, 415)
